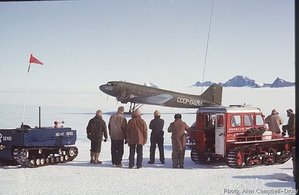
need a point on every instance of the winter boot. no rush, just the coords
(181, 158)
(175, 159)
(92, 157)
(97, 161)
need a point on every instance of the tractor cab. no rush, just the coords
(216, 127)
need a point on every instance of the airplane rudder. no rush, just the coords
(213, 94)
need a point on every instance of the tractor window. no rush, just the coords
(236, 121)
(210, 121)
(248, 120)
(259, 120)
(220, 121)
(193, 125)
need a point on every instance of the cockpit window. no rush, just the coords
(111, 84)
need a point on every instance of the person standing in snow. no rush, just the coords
(178, 137)
(117, 130)
(274, 121)
(157, 138)
(290, 127)
(95, 130)
(136, 138)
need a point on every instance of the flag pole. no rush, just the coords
(25, 96)
(32, 59)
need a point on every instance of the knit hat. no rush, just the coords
(99, 113)
(156, 113)
(120, 109)
(137, 112)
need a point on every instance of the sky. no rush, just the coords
(84, 44)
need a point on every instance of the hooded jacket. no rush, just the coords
(136, 131)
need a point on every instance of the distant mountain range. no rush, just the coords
(242, 81)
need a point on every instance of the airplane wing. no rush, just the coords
(155, 99)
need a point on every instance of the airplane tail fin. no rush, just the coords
(213, 94)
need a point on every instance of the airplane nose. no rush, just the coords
(106, 89)
(101, 87)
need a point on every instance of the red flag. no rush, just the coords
(33, 60)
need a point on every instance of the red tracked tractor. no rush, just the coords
(238, 135)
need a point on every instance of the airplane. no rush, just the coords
(140, 94)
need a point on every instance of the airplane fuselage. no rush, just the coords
(129, 92)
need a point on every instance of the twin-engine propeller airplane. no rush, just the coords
(140, 94)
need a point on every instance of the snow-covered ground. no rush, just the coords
(80, 177)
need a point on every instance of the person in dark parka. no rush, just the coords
(95, 130)
(157, 137)
(290, 127)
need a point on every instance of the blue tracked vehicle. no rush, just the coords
(39, 146)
